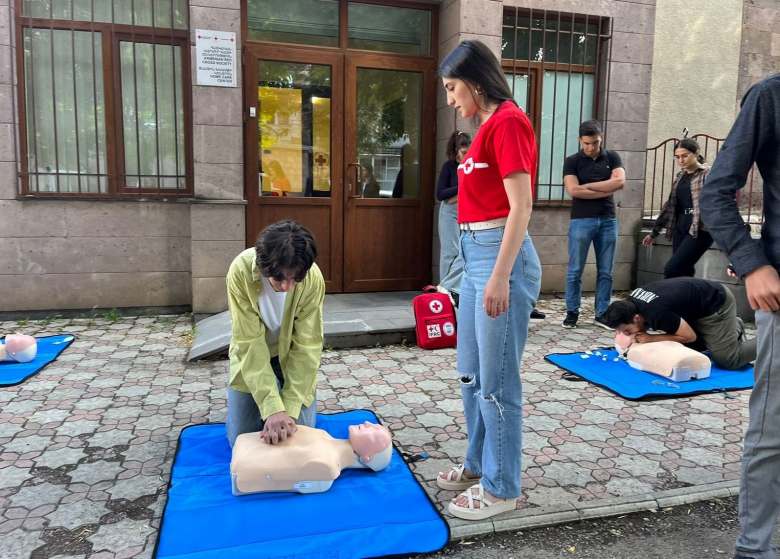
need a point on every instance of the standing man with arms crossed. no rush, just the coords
(275, 294)
(755, 138)
(591, 176)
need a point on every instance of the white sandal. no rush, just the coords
(455, 479)
(486, 509)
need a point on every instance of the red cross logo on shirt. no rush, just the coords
(469, 165)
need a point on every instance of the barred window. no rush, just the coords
(105, 98)
(556, 64)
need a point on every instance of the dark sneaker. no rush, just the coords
(571, 319)
(537, 315)
(599, 321)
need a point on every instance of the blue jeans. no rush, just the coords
(450, 261)
(602, 232)
(243, 416)
(490, 351)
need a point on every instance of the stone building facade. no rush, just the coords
(157, 249)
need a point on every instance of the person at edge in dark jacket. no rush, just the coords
(754, 138)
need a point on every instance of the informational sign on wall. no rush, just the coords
(215, 57)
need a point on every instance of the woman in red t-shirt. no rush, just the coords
(501, 281)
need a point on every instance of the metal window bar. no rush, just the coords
(659, 184)
(34, 27)
(548, 57)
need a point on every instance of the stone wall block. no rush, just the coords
(632, 47)
(32, 219)
(212, 222)
(209, 295)
(127, 219)
(8, 180)
(628, 107)
(220, 106)
(99, 255)
(627, 136)
(482, 17)
(219, 181)
(629, 77)
(213, 258)
(88, 291)
(218, 144)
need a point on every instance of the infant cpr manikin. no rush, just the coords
(668, 359)
(307, 462)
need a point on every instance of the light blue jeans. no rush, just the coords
(490, 352)
(243, 416)
(450, 260)
(603, 233)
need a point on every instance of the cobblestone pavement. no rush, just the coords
(86, 445)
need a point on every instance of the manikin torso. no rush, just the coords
(307, 462)
(669, 359)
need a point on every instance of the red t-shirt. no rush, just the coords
(505, 144)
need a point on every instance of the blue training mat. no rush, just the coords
(49, 348)
(364, 514)
(620, 378)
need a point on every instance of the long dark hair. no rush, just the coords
(457, 140)
(475, 63)
(693, 146)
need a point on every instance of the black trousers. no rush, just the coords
(686, 251)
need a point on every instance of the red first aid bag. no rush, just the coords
(434, 318)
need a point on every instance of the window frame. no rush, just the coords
(599, 70)
(110, 36)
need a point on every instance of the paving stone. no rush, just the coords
(60, 457)
(35, 495)
(545, 496)
(434, 420)
(701, 456)
(637, 465)
(78, 427)
(19, 543)
(22, 445)
(567, 474)
(644, 444)
(120, 536)
(13, 476)
(77, 513)
(590, 433)
(627, 486)
(580, 451)
(91, 473)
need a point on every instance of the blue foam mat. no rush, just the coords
(620, 378)
(364, 514)
(49, 348)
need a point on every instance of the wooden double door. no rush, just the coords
(343, 142)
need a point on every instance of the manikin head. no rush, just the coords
(623, 342)
(19, 348)
(372, 444)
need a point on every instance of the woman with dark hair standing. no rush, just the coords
(680, 214)
(450, 261)
(501, 281)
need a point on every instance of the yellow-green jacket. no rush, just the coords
(300, 339)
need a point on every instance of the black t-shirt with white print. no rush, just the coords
(663, 303)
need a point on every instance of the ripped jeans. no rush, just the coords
(489, 357)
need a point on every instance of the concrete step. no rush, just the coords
(351, 320)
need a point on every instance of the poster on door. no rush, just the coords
(215, 57)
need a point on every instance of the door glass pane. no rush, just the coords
(567, 100)
(153, 115)
(310, 22)
(294, 122)
(389, 108)
(65, 111)
(389, 29)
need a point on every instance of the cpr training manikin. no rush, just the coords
(307, 462)
(668, 359)
(18, 348)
